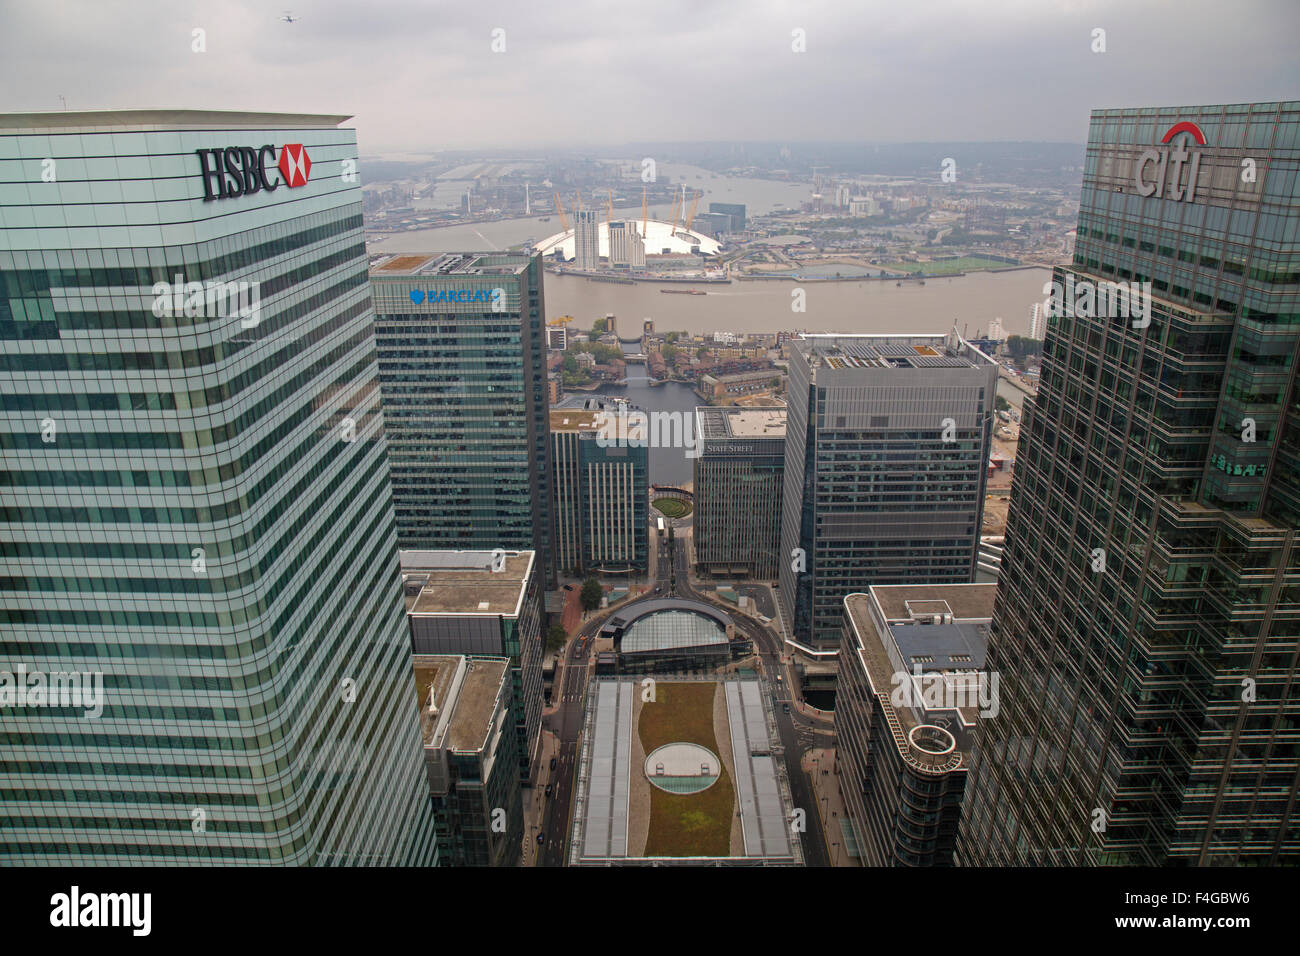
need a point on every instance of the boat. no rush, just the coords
(682, 292)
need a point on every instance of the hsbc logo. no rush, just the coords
(1161, 170)
(295, 165)
(243, 171)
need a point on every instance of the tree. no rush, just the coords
(670, 337)
(555, 637)
(598, 326)
(701, 352)
(591, 594)
(1021, 347)
(669, 352)
(1001, 404)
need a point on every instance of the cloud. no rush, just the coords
(423, 76)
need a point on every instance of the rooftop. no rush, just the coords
(466, 695)
(448, 264)
(573, 419)
(940, 629)
(890, 351)
(464, 582)
(730, 719)
(741, 422)
(154, 119)
(656, 236)
(903, 602)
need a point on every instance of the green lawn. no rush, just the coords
(673, 507)
(686, 824)
(947, 267)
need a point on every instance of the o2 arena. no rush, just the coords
(660, 237)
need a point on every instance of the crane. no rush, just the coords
(694, 202)
(559, 208)
(609, 208)
(644, 212)
(560, 320)
(672, 220)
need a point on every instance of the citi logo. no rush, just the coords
(1161, 169)
(242, 170)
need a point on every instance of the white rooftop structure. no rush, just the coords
(659, 236)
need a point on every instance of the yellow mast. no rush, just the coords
(694, 202)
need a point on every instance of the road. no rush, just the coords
(566, 724)
(797, 731)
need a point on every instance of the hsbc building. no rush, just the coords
(198, 505)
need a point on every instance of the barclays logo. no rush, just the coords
(496, 298)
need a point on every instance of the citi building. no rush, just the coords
(1147, 619)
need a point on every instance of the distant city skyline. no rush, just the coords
(670, 72)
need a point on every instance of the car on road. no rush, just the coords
(548, 786)
(541, 838)
(552, 763)
(787, 708)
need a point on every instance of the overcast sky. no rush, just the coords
(422, 74)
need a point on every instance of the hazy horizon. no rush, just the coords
(422, 78)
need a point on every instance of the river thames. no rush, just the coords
(765, 305)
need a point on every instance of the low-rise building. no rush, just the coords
(911, 688)
(470, 754)
(718, 387)
(484, 603)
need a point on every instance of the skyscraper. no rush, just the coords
(586, 239)
(601, 503)
(462, 370)
(626, 246)
(738, 484)
(197, 513)
(910, 692)
(484, 603)
(887, 445)
(1148, 611)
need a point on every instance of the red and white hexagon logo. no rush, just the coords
(295, 164)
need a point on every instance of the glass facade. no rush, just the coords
(738, 484)
(601, 503)
(885, 470)
(196, 508)
(1149, 604)
(463, 378)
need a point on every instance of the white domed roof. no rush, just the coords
(659, 236)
